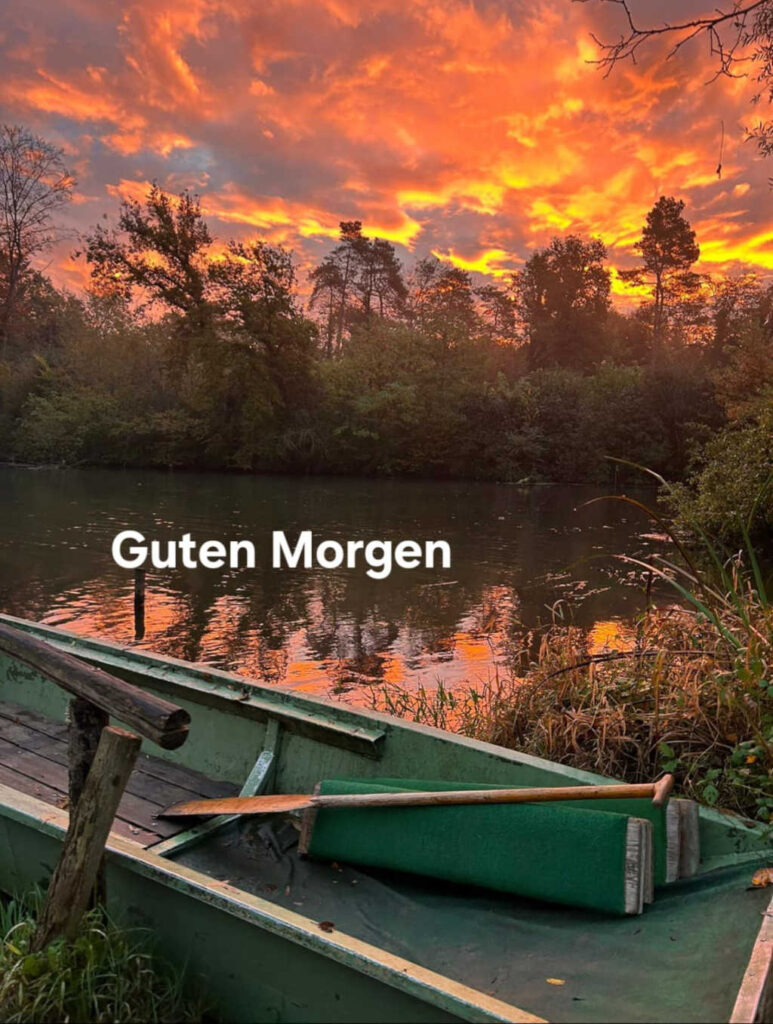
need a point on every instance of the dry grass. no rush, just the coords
(687, 690)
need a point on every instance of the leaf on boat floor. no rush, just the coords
(762, 878)
(555, 981)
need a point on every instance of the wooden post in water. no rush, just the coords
(139, 604)
(72, 883)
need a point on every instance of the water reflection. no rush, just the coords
(518, 556)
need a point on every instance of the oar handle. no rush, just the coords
(663, 788)
(656, 791)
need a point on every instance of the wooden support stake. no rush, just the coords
(86, 724)
(85, 728)
(73, 880)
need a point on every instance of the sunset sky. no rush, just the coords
(474, 130)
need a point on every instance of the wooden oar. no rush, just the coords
(656, 791)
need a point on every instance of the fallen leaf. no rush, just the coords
(762, 878)
(555, 981)
(327, 926)
(751, 758)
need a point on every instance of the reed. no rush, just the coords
(686, 689)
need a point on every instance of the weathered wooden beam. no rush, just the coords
(84, 729)
(86, 722)
(75, 874)
(152, 717)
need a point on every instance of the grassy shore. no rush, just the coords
(686, 689)
(105, 974)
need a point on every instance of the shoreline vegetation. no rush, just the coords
(105, 973)
(684, 689)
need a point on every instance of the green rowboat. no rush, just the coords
(275, 937)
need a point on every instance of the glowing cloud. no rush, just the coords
(475, 130)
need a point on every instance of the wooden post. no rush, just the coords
(73, 880)
(139, 604)
(86, 724)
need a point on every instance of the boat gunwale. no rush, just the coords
(229, 691)
(755, 996)
(412, 979)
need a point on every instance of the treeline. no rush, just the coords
(189, 353)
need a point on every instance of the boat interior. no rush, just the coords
(681, 960)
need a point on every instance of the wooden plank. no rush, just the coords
(156, 719)
(134, 809)
(755, 996)
(185, 778)
(33, 731)
(155, 790)
(32, 787)
(20, 715)
(689, 838)
(75, 874)
(56, 798)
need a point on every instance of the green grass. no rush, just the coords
(105, 974)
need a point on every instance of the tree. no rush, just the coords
(498, 313)
(360, 280)
(159, 249)
(442, 303)
(740, 42)
(34, 184)
(563, 297)
(253, 291)
(668, 250)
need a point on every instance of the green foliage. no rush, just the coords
(732, 489)
(105, 974)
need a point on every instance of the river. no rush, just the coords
(519, 557)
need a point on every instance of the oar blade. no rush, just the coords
(273, 804)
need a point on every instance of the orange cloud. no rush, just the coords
(475, 130)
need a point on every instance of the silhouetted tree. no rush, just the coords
(498, 313)
(668, 249)
(159, 250)
(254, 293)
(563, 297)
(34, 185)
(360, 279)
(442, 302)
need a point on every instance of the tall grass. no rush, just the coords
(687, 689)
(105, 974)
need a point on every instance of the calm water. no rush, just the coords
(516, 553)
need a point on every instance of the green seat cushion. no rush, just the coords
(636, 808)
(550, 852)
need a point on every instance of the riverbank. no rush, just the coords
(679, 689)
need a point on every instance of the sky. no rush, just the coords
(472, 129)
